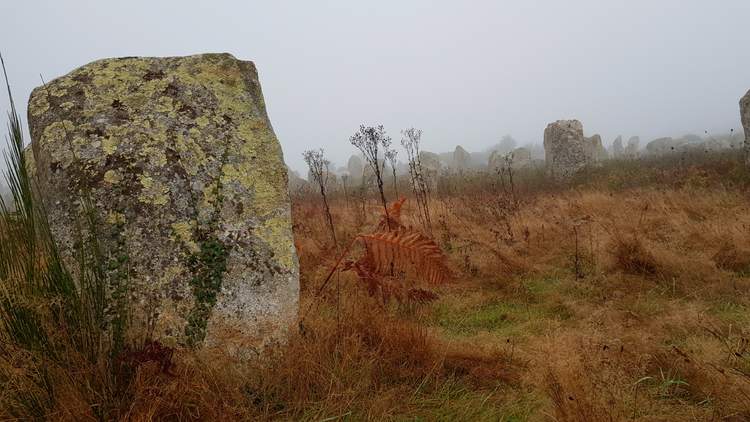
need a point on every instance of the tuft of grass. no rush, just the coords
(631, 256)
(730, 257)
(62, 336)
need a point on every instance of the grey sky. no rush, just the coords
(466, 72)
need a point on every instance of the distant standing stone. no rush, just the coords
(190, 186)
(596, 149)
(745, 117)
(356, 167)
(431, 166)
(631, 150)
(617, 148)
(461, 158)
(565, 149)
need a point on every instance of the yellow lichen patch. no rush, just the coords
(80, 141)
(277, 234)
(221, 75)
(117, 132)
(58, 130)
(67, 105)
(154, 192)
(109, 145)
(146, 181)
(260, 167)
(136, 101)
(192, 156)
(112, 74)
(156, 155)
(112, 177)
(202, 121)
(229, 173)
(209, 199)
(38, 105)
(183, 231)
(164, 105)
(114, 217)
(57, 91)
(159, 137)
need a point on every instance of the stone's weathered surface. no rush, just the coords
(518, 158)
(665, 145)
(566, 150)
(745, 118)
(185, 171)
(631, 150)
(430, 163)
(429, 160)
(617, 149)
(355, 167)
(496, 162)
(28, 154)
(461, 158)
(595, 148)
(521, 157)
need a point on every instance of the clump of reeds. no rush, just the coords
(63, 338)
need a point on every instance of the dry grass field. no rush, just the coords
(620, 297)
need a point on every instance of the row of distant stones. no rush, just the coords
(566, 151)
(181, 162)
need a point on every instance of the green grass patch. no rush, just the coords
(731, 312)
(507, 319)
(453, 401)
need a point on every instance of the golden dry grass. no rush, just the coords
(581, 304)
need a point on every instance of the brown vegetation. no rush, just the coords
(611, 300)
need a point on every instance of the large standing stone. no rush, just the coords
(187, 176)
(430, 164)
(595, 148)
(745, 117)
(518, 158)
(355, 166)
(496, 162)
(631, 150)
(665, 145)
(617, 148)
(566, 150)
(521, 157)
(461, 158)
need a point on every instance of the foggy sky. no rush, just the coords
(466, 72)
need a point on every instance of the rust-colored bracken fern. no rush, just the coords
(396, 253)
(404, 251)
(392, 220)
(393, 255)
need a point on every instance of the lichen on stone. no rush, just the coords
(155, 140)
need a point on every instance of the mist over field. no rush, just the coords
(465, 73)
(422, 210)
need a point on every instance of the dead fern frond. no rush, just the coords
(405, 251)
(392, 254)
(392, 219)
